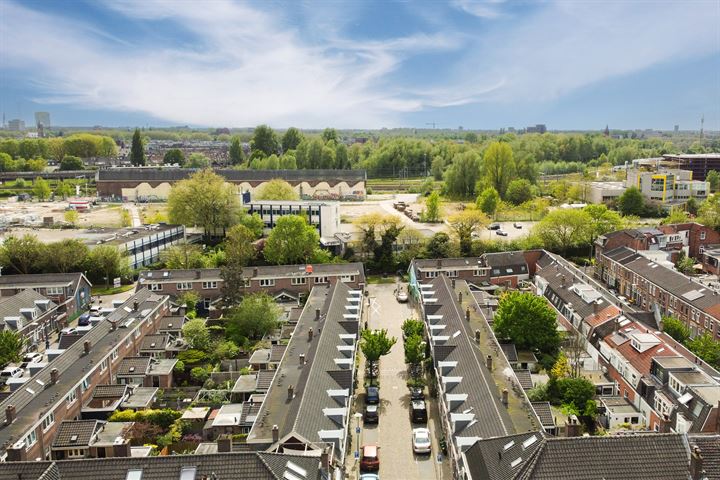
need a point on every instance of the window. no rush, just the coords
(155, 287)
(321, 280)
(348, 278)
(209, 285)
(477, 273)
(30, 439)
(47, 421)
(184, 286)
(85, 384)
(246, 282)
(431, 274)
(267, 282)
(702, 235)
(114, 355)
(496, 271)
(54, 290)
(76, 452)
(452, 273)
(104, 365)
(72, 396)
(298, 281)
(206, 303)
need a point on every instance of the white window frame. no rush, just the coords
(54, 290)
(155, 287)
(452, 273)
(347, 278)
(30, 440)
(267, 282)
(104, 365)
(183, 286)
(211, 285)
(321, 280)
(114, 355)
(433, 274)
(71, 397)
(247, 282)
(703, 235)
(298, 281)
(48, 421)
(84, 385)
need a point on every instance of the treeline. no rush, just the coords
(81, 145)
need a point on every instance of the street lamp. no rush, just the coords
(357, 416)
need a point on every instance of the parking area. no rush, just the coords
(393, 433)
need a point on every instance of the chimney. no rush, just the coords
(562, 281)
(224, 443)
(54, 375)
(310, 334)
(291, 393)
(477, 336)
(197, 274)
(505, 396)
(467, 314)
(439, 263)
(113, 326)
(86, 346)
(696, 464)
(573, 428)
(255, 272)
(489, 362)
(717, 419)
(325, 459)
(596, 307)
(275, 433)
(10, 414)
(135, 305)
(453, 285)
(302, 359)
(317, 314)
(664, 425)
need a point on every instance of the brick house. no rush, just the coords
(70, 291)
(31, 315)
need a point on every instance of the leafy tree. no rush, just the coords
(20, 182)
(291, 241)
(519, 191)
(226, 349)
(199, 374)
(12, 345)
(125, 217)
(174, 156)
(631, 202)
(412, 327)
(342, 161)
(137, 150)
(6, 162)
(707, 348)
(488, 201)
(563, 228)
(183, 255)
(189, 300)
(601, 221)
(41, 188)
(561, 369)
(204, 199)
(709, 212)
(106, 262)
(576, 391)
(375, 344)
(384, 227)
(71, 216)
(499, 166)
(256, 316)
(22, 254)
(71, 162)
(464, 224)
(676, 329)
(692, 206)
(291, 139)
(35, 165)
(264, 140)
(198, 160)
(676, 215)
(196, 334)
(462, 175)
(713, 178)
(527, 321)
(239, 248)
(235, 153)
(192, 357)
(330, 135)
(438, 246)
(432, 208)
(277, 189)
(253, 223)
(684, 264)
(64, 189)
(414, 350)
(65, 256)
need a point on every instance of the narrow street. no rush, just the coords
(393, 434)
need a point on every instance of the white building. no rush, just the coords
(325, 216)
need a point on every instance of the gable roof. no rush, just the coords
(109, 391)
(497, 458)
(10, 306)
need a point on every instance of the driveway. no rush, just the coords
(394, 432)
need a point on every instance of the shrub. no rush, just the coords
(192, 357)
(199, 374)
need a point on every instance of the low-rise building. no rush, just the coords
(711, 261)
(31, 315)
(667, 187)
(70, 291)
(91, 439)
(323, 215)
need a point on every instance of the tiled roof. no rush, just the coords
(504, 260)
(524, 378)
(39, 279)
(109, 391)
(10, 306)
(264, 380)
(462, 262)
(607, 313)
(156, 342)
(75, 433)
(276, 353)
(264, 271)
(510, 351)
(637, 457)
(710, 450)
(497, 458)
(544, 413)
(68, 339)
(640, 361)
(133, 366)
(171, 322)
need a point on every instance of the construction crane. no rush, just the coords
(431, 123)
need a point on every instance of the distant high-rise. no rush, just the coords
(42, 118)
(16, 125)
(539, 128)
(677, 128)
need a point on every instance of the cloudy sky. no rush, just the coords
(572, 64)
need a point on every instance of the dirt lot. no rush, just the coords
(33, 213)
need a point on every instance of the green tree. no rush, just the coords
(374, 345)
(105, 262)
(684, 264)
(199, 375)
(277, 189)
(198, 160)
(71, 216)
(488, 201)
(561, 369)
(438, 246)
(183, 255)
(432, 208)
(498, 166)
(676, 215)
(20, 182)
(519, 191)
(256, 316)
(291, 241)
(41, 188)
(709, 212)
(631, 202)
(12, 345)
(330, 135)
(125, 217)
(601, 221)
(196, 334)
(254, 223)
(65, 256)
(264, 140)
(464, 224)
(23, 254)
(707, 348)
(71, 162)
(412, 326)
(64, 189)
(576, 391)
(527, 321)
(225, 349)
(462, 175)
(563, 228)
(414, 352)
(235, 153)
(174, 156)
(189, 300)
(36, 165)
(204, 199)
(6, 162)
(713, 178)
(291, 139)
(239, 248)
(676, 329)
(137, 150)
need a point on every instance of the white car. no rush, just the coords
(11, 372)
(33, 357)
(421, 440)
(402, 296)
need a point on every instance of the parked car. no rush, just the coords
(417, 393)
(401, 296)
(372, 397)
(68, 330)
(421, 440)
(418, 411)
(10, 372)
(369, 476)
(84, 320)
(370, 461)
(502, 233)
(517, 225)
(494, 226)
(371, 414)
(33, 357)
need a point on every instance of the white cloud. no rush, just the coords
(480, 8)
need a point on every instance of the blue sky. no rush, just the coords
(363, 64)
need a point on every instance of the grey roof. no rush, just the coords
(140, 397)
(524, 378)
(510, 351)
(73, 365)
(75, 433)
(504, 260)
(277, 352)
(483, 397)
(39, 279)
(233, 175)
(109, 391)
(264, 380)
(493, 459)
(133, 366)
(555, 273)
(264, 271)
(544, 413)
(710, 450)
(458, 262)
(10, 306)
(155, 342)
(171, 323)
(244, 465)
(640, 457)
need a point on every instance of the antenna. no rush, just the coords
(432, 123)
(702, 125)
